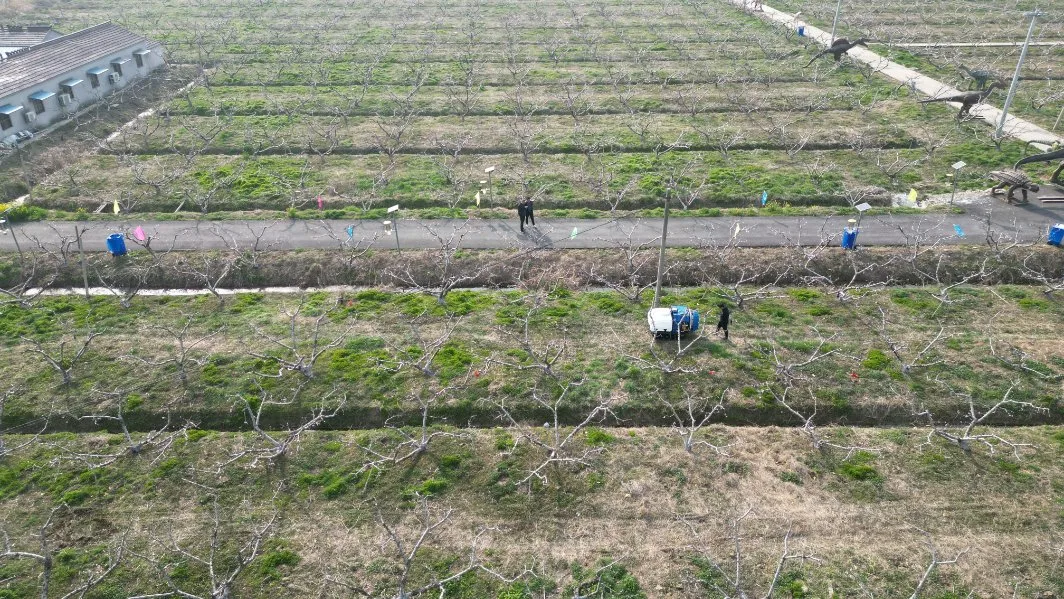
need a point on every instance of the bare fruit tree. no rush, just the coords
(90, 577)
(558, 445)
(443, 274)
(181, 353)
(936, 561)
(275, 445)
(733, 580)
(155, 442)
(235, 538)
(691, 413)
(304, 344)
(404, 539)
(61, 358)
(808, 418)
(634, 259)
(966, 435)
(738, 280)
(5, 448)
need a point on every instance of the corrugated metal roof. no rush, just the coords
(9, 109)
(41, 95)
(33, 66)
(97, 71)
(70, 82)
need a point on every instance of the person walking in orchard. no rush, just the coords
(522, 213)
(725, 316)
(529, 214)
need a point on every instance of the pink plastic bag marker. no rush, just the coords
(138, 234)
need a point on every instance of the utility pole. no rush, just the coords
(25, 174)
(84, 269)
(491, 189)
(395, 227)
(10, 225)
(835, 23)
(1033, 15)
(661, 254)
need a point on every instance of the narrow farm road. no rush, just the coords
(1026, 223)
(932, 88)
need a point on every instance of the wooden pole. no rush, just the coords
(84, 268)
(661, 254)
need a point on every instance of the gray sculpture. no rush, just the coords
(1014, 180)
(967, 99)
(1047, 157)
(839, 47)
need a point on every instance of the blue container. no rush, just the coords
(849, 240)
(1056, 234)
(801, 31)
(684, 319)
(116, 244)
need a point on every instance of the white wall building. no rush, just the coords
(43, 83)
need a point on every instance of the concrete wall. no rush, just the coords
(84, 94)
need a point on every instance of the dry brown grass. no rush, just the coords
(652, 496)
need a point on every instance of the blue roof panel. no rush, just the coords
(41, 95)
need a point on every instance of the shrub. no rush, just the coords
(804, 295)
(858, 467)
(738, 468)
(271, 561)
(504, 441)
(452, 360)
(598, 437)
(429, 488)
(78, 496)
(24, 213)
(612, 582)
(876, 360)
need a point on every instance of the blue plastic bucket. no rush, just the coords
(1056, 234)
(849, 240)
(116, 244)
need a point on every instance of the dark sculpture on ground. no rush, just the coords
(1014, 180)
(1046, 157)
(979, 77)
(840, 47)
(967, 100)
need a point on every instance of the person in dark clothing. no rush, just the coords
(531, 216)
(522, 213)
(725, 316)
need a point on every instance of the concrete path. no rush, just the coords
(932, 88)
(971, 44)
(1026, 223)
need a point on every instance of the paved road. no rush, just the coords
(1026, 223)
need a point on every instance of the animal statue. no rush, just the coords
(839, 47)
(1014, 180)
(979, 77)
(966, 99)
(1046, 157)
